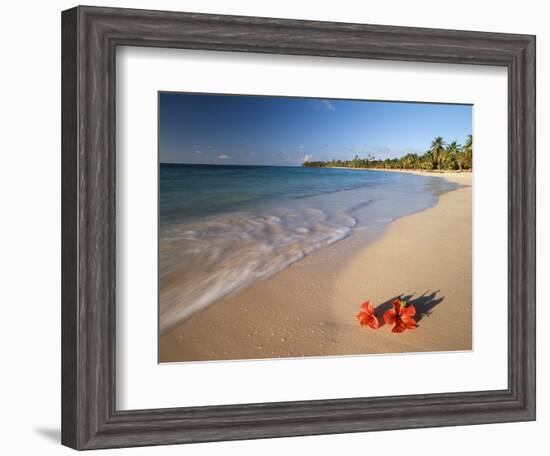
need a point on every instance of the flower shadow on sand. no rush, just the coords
(424, 304)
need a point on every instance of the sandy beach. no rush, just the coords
(309, 308)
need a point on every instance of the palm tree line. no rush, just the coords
(440, 156)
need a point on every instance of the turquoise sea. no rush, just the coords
(221, 228)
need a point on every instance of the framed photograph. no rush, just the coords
(279, 228)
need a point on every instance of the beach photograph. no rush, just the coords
(295, 227)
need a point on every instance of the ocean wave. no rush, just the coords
(202, 262)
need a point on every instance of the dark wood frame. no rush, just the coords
(90, 36)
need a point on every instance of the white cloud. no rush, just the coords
(308, 157)
(198, 152)
(328, 105)
(224, 157)
(300, 147)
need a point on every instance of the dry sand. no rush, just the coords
(309, 308)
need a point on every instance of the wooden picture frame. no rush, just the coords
(90, 36)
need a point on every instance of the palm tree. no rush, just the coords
(469, 142)
(409, 161)
(437, 149)
(468, 152)
(439, 156)
(451, 159)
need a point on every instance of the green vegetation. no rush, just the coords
(440, 156)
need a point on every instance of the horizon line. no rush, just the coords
(229, 164)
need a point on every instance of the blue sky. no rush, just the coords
(259, 130)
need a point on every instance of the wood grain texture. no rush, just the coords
(90, 36)
(69, 219)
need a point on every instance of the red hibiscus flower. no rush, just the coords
(401, 316)
(366, 315)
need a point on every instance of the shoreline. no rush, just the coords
(309, 308)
